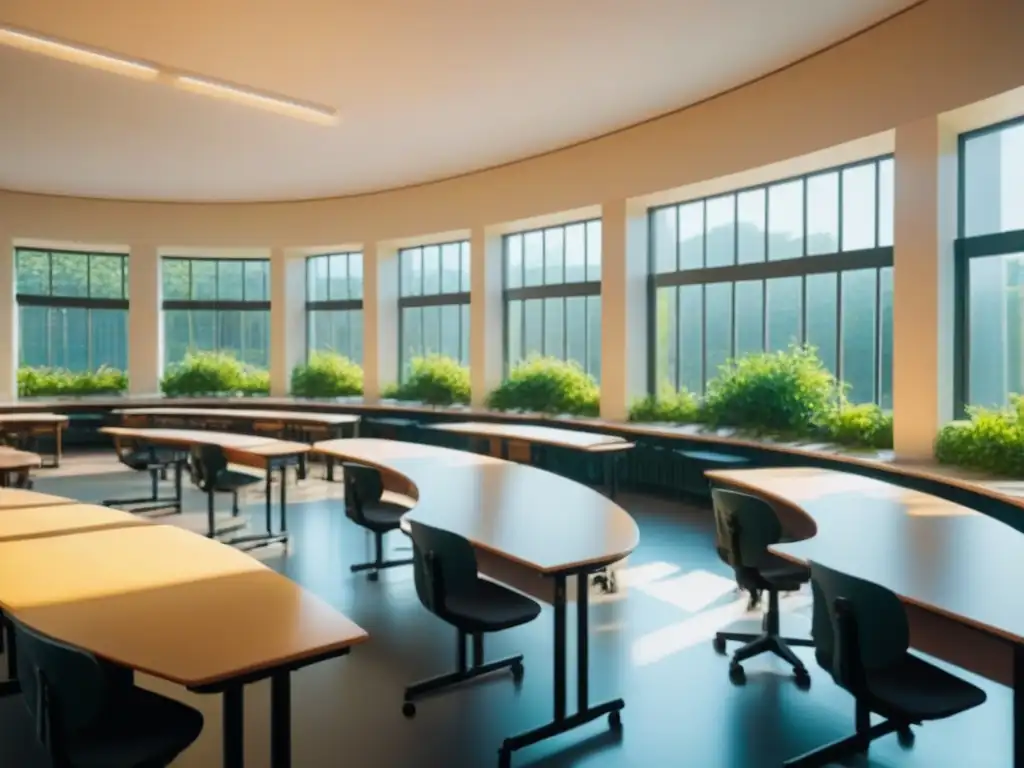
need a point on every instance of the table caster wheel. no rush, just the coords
(719, 645)
(372, 576)
(802, 678)
(615, 721)
(409, 709)
(736, 674)
(517, 672)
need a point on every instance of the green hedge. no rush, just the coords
(433, 380)
(327, 374)
(989, 440)
(213, 373)
(57, 382)
(547, 385)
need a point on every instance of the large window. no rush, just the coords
(72, 309)
(803, 260)
(433, 303)
(553, 294)
(217, 305)
(334, 304)
(990, 266)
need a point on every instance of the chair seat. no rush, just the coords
(490, 607)
(783, 575)
(146, 730)
(230, 480)
(917, 690)
(383, 516)
(145, 459)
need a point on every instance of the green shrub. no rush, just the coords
(681, 407)
(778, 392)
(864, 425)
(54, 382)
(327, 374)
(207, 373)
(989, 440)
(433, 380)
(547, 385)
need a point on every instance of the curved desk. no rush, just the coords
(954, 568)
(13, 461)
(263, 452)
(523, 522)
(28, 425)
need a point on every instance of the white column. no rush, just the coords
(924, 229)
(380, 318)
(486, 314)
(624, 337)
(145, 320)
(287, 318)
(8, 321)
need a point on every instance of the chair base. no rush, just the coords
(767, 642)
(374, 568)
(435, 684)
(856, 744)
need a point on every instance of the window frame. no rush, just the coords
(878, 258)
(329, 304)
(458, 298)
(966, 248)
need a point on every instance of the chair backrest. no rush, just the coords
(363, 487)
(857, 625)
(66, 689)
(745, 526)
(444, 564)
(207, 462)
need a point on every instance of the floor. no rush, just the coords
(650, 645)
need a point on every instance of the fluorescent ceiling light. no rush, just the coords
(77, 55)
(313, 114)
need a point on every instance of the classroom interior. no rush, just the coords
(656, 203)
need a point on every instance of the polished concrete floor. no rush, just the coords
(650, 645)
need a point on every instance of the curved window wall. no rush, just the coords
(334, 304)
(801, 260)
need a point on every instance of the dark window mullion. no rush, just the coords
(878, 336)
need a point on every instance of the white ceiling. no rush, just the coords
(427, 88)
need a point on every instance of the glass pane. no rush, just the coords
(691, 235)
(859, 207)
(431, 270)
(203, 330)
(338, 271)
(108, 336)
(594, 250)
(885, 363)
(592, 365)
(464, 340)
(229, 333)
(340, 334)
(177, 339)
(451, 268)
(666, 346)
(33, 273)
(34, 336)
(355, 276)
(785, 312)
(70, 274)
(356, 334)
(750, 228)
(57, 325)
(575, 253)
(691, 338)
(229, 280)
(533, 330)
(663, 240)
(257, 280)
(514, 333)
(823, 214)
(786, 220)
(993, 183)
(514, 261)
(451, 333)
(822, 306)
(576, 329)
(204, 279)
(464, 261)
(858, 334)
(718, 326)
(554, 256)
(994, 325)
(412, 336)
(431, 331)
(749, 317)
(721, 231)
(316, 278)
(411, 277)
(72, 349)
(256, 338)
(533, 258)
(886, 205)
(554, 338)
(105, 277)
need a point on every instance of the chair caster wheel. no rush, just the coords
(802, 679)
(719, 645)
(905, 736)
(409, 709)
(736, 674)
(615, 721)
(373, 576)
(518, 671)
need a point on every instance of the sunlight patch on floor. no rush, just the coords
(693, 591)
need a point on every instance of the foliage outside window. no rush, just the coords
(334, 305)
(553, 295)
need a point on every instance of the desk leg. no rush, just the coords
(270, 497)
(234, 740)
(177, 485)
(58, 449)
(1018, 706)
(284, 500)
(584, 714)
(280, 721)
(211, 522)
(503, 448)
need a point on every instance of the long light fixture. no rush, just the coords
(76, 54)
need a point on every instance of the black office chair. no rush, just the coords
(155, 460)
(88, 713)
(448, 585)
(365, 506)
(861, 636)
(210, 472)
(745, 526)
